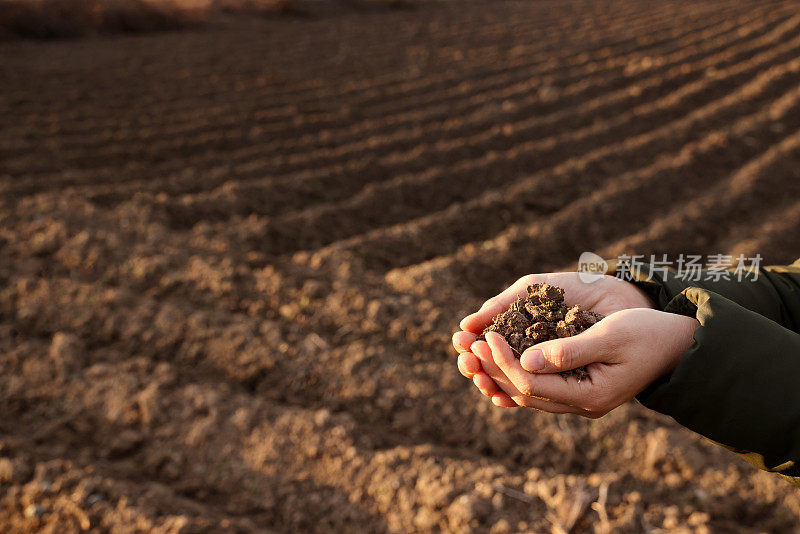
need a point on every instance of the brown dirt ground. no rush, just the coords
(231, 259)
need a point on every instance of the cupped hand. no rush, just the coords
(623, 354)
(605, 295)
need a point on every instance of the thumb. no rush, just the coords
(566, 353)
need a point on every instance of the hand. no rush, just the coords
(606, 296)
(623, 353)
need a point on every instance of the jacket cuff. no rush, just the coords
(737, 384)
(755, 291)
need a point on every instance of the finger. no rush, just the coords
(485, 384)
(503, 400)
(484, 353)
(552, 387)
(462, 341)
(567, 353)
(479, 320)
(468, 364)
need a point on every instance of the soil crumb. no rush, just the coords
(541, 316)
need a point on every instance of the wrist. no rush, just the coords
(682, 337)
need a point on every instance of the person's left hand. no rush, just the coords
(623, 353)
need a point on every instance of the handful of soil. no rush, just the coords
(542, 316)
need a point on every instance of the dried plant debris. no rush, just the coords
(542, 316)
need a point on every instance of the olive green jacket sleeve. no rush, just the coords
(773, 292)
(739, 382)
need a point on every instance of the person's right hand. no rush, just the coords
(606, 296)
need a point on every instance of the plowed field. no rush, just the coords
(232, 257)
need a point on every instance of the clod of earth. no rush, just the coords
(541, 316)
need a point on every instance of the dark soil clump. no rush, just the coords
(541, 316)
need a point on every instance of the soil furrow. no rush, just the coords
(407, 196)
(476, 261)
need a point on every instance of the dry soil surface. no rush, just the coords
(231, 259)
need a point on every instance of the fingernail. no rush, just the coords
(532, 360)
